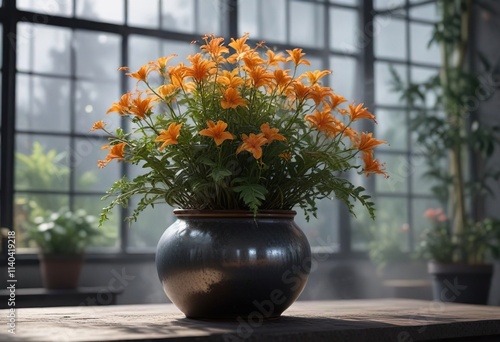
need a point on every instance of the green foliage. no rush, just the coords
(479, 241)
(450, 138)
(64, 232)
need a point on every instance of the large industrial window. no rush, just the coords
(59, 75)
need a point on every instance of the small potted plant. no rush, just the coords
(457, 148)
(62, 238)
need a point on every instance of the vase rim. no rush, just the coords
(235, 213)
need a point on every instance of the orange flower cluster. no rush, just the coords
(235, 79)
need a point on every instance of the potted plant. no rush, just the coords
(237, 138)
(451, 138)
(62, 238)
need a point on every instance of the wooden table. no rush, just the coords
(400, 320)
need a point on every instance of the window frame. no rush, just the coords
(10, 16)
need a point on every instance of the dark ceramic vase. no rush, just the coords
(461, 283)
(230, 264)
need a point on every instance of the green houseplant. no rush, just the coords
(240, 132)
(459, 240)
(62, 238)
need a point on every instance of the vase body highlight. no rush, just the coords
(230, 264)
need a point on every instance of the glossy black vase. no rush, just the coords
(230, 264)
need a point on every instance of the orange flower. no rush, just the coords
(177, 74)
(166, 91)
(352, 134)
(281, 79)
(214, 47)
(273, 59)
(259, 77)
(324, 121)
(287, 155)
(141, 107)
(358, 112)
(315, 76)
(161, 63)
(367, 143)
(230, 79)
(200, 69)
(296, 56)
(319, 94)
(98, 125)
(253, 144)
(169, 136)
(300, 90)
(121, 107)
(141, 74)
(252, 60)
(271, 134)
(115, 152)
(232, 99)
(373, 165)
(217, 132)
(336, 100)
(240, 47)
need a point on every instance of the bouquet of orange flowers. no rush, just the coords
(238, 128)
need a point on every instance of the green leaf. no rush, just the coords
(219, 173)
(252, 195)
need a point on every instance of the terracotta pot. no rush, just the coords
(230, 264)
(461, 283)
(60, 271)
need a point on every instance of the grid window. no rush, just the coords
(66, 78)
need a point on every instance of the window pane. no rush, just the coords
(398, 167)
(390, 37)
(310, 16)
(144, 13)
(209, 16)
(92, 100)
(421, 75)
(248, 18)
(142, 49)
(44, 49)
(420, 52)
(343, 30)
(322, 231)
(97, 55)
(42, 163)
(346, 2)
(88, 177)
(43, 104)
(384, 92)
(50, 7)
(392, 127)
(178, 15)
(28, 206)
(387, 4)
(109, 230)
(425, 12)
(146, 232)
(388, 233)
(344, 78)
(422, 184)
(111, 11)
(271, 21)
